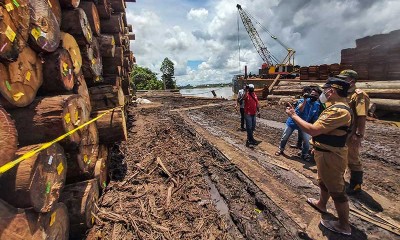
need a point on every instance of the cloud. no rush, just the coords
(208, 30)
(197, 14)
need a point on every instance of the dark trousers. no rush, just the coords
(242, 118)
(250, 126)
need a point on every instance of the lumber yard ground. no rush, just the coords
(185, 173)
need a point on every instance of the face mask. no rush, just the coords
(251, 89)
(313, 98)
(323, 98)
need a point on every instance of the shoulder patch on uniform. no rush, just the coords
(359, 91)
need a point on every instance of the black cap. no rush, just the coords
(340, 85)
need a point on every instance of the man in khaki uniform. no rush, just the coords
(359, 103)
(329, 140)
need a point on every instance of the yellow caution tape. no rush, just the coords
(27, 155)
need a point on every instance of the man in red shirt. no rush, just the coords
(251, 108)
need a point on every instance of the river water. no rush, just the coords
(224, 92)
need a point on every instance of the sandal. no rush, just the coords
(329, 224)
(313, 203)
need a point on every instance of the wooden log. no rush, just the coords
(82, 161)
(101, 168)
(82, 89)
(28, 224)
(131, 36)
(37, 181)
(104, 9)
(56, 9)
(112, 25)
(383, 93)
(44, 28)
(117, 60)
(125, 87)
(58, 75)
(391, 105)
(112, 80)
(69, 4)
(49, 118)
(112, 70)
(105, 97)
(20, 80)
(118, 5)
(92, 15)
(130, 27)
(14, 26)
(80, 199)
(69, 43)
(107, 45)
(9, 138)
(112, 126)
(118, 37)
(92, 66)
(75, 22)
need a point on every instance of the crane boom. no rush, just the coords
(255, 38)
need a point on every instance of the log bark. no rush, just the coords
(69, 43)
(37, 181)
(361, 85)
(118, 5)
(69, 4)
(33, 225)
(391, 105)
(104, 9)
(112, 80)
(101, 168)
(383, 93)
(14, 29)
(58, 75)
(82, 89)
(82, 161)
(92, 15)
(80, 199)
(112, 70)
(9, 138)
(118, 37)
(92, 66)
(44, 28)
(125, 87)
(106, 97)
(20, 80)
(131, 36)
(112, 126)
(56, 9)
(51, 117)
(75, 22)
(112, 25)
(117, 60)
(107, 45)
(130, 27)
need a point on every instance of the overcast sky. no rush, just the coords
(201, 36)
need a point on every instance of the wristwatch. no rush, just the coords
(359, 135)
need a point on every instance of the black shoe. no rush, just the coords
(353, 189)
(356, 179)
(255, 142)
(249, 144)
(306, 158)
(243, 129)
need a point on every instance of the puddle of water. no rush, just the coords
(271, 123)
(220, 203)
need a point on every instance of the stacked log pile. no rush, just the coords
(62, 63)
(375, 57)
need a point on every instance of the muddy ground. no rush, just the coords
(184, 173)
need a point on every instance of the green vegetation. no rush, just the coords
(145, 79)
(167, 68)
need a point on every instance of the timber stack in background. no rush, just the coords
(377, 61)
(62, 63)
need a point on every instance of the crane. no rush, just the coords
(272, 63)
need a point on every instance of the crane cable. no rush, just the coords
(238, 40)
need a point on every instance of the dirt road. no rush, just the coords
(184, 173)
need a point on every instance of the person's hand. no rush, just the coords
(356, 140)
(290, 110)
